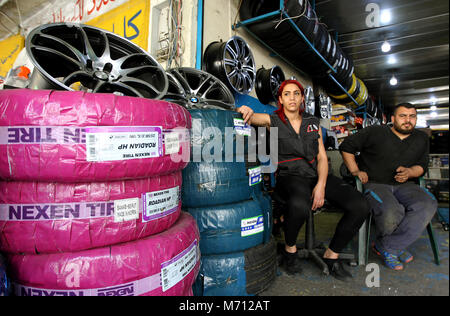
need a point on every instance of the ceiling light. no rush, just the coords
(385, 16)
(386, 47)
(392, 60)
(433, 114)
(433, 108)
(393, 81)
(433, 100)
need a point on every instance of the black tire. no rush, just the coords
(266, 28)
(267, 84)
(348, 100)
(238, 274)
(261, 267)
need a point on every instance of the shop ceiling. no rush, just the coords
(418, 32)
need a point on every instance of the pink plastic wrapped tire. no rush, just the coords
(163, 264)
(43, 217)
(44, 136)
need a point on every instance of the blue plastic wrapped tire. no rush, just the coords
(216, 183)
(5, 285)
(229, 227)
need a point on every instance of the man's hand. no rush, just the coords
(318, 197)
(403, 174)
(246, 112)
(363, 176)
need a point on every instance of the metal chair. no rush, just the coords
(364, 233)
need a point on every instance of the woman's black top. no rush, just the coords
(297, 153)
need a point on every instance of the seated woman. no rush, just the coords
(303, 177)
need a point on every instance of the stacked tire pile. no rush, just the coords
(233, 215)
(281, 36)
(73, 225)
(90, 191)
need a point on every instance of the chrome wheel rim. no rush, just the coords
(197, 89)
(239, 65)
(233, 63)
(310, 103)
(81, 57)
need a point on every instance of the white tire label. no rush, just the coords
(123, 143)
(177, 268)
(252, 226)
(254, 176)
(242, 128)
(160, 203)
(172, 143)
(126, 210)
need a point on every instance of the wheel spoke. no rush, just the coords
(230, 62)
(233, 54)
(128, 71)
(107, 51)
(59, 54)
(232, 74)
(87, 45)
(72, 77)
(204, 81)
(122, 86)
(182, 80)
(141, 82)
(80, 56)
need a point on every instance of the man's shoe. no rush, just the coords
(392, 261)
(291, 262)
(405, 256)
(337, 269)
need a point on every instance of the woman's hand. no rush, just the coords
(246, 112)
(318, 197)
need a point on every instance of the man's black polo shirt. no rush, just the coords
(382, 152)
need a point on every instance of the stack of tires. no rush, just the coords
(224, 195)
(357, 90)
(90, 197)
(282, 37)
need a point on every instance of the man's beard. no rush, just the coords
(399, 129)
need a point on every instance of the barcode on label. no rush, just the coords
(177, 268)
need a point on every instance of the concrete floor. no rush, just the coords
(421, 277)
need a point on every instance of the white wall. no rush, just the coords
(188, 30)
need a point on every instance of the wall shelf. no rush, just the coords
(282, 12)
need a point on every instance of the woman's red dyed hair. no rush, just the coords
(280, 110)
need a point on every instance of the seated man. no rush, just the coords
(390, 159)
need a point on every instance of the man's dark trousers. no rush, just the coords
(401, 213)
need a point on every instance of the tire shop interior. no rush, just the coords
(111, 185)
